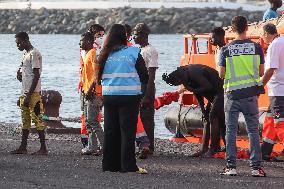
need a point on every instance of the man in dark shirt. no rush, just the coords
(204, 81)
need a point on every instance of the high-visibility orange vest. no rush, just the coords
(140, 128)
(80, 84)
(84, 132)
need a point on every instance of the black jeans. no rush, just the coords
(120, 123)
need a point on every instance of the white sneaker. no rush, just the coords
(229, 171)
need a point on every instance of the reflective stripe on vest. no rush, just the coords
(139, 135)
(123, 75)
(121, 87)
(242, 72)
(120, 76)
(268, 141)
(278, 120)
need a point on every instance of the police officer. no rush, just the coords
(241, 65)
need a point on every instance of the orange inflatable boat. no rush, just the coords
(198, 50)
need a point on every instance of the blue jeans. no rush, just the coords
(249, 108)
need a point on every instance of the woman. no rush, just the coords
(123, 75)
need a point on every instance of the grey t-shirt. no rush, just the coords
(31, 60)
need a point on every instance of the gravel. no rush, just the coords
(169, 167)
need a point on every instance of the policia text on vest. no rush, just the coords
(242, 60)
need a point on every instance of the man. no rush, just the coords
(271, 12)
(98, 33)
(204, 82)
(150, 55)
(142, 139)
(273, 126)
(218, 40)
(241, 65)
(92, 100)
(30, 99)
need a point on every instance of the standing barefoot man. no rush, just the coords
(30, 100)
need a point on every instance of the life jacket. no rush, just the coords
(120, 76)
(82, 56)
(140, 132)
(84, 132)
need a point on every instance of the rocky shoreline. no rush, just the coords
(161, 21)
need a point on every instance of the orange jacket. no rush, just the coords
(90, 72)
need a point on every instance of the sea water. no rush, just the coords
(60, 55)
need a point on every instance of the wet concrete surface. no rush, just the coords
(169, 167)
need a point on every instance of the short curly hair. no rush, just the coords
(88, 36)
(218, 31)
(142, 28)
(95, 28)
(23, 36)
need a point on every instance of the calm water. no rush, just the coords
(60, 72)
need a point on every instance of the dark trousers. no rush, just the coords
(120, 120)
(217, 118)
(147, 117)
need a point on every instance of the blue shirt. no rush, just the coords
(270, 13)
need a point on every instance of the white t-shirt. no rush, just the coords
(31, 60)
(275, 59)
(150, 56)
(217, 56)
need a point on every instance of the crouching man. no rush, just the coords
(204, 82)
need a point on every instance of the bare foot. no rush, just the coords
(198, 153)
(19, 151)
(41, 152)
(210, 153)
